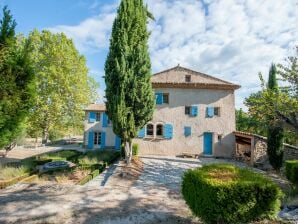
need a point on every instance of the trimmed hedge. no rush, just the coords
(292, 170)
(223, 193)
(93, 174)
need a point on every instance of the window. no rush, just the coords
(219, 138)
(187, 110)
(97, 116)
(149, 130)
(166, 98)
(159, 130)
(216, 111)
(188, 78)
(97, 138)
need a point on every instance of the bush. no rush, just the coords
(135, 149)
(223, 193)
(275, 151)
(292, 170)
(98, 156)
(93, 174)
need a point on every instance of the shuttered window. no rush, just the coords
(187, 131)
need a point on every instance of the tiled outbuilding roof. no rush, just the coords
(96, 107)
(176, 78)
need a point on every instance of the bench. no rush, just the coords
(190, 155)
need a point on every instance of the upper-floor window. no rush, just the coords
(187, 110)
(149, 130)
(97, 138)
(159, 130)
(219, 138)
(166, 98)
(97, 115)
(216, 111)
(188, 78)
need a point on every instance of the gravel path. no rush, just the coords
(153, 198)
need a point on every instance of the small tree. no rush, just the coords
(130, 98)
(275, 130)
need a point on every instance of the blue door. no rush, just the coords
(207, 143)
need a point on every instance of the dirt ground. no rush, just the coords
(153, 197)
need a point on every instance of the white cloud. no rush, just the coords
(231, 39)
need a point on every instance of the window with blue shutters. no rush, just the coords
(103, 140)
(187, 131)
(105, 120)
(210, 111)
(141, 133)
(194, 111)
(159, 98)
(90, 140)
(92, 117)
(117, 142)
(168, 131)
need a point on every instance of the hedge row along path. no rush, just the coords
(153, 198)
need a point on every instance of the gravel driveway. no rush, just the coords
(154, 198)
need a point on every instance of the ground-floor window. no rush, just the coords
(159, 130)
(149, 130)
(97, 138)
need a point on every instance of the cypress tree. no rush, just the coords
(17, 86)
(275, 132)
(129, 94)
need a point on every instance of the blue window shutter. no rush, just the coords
(159, 98)
(90, 140)
(194, 111)
(117, 142)
(103, 140)
(168, 131)
(141, 133)
(92, 117)
(104, 119)
(187, 131)
(210, 111)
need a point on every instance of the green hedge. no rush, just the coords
(223, 193)
(135, 149)
(292, 170)
(93, 174)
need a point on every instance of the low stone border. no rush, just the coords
(7, 183)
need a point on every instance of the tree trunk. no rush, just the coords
(128, 152)
(45, 136)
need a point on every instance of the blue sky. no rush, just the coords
(230, 39)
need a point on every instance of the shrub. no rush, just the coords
(93, 174)
(292, 170)
(135, 149)
(98, 156)
(275, 146)
(223, 193)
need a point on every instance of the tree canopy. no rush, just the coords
(17, 82)
(130, 98)
(63, 85)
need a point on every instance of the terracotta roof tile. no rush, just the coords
(96, 107)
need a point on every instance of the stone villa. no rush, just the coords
(195, 114)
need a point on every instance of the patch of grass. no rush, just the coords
(69, 155)
(9, 172)
(98, 157)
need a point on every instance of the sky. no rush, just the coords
(230, 39)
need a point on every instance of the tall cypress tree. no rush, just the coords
(17, 88)
(275, 132)
(130, 98)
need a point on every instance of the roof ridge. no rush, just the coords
(196, 72)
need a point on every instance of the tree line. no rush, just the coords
(44, 84)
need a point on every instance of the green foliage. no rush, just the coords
(60, 155)
(7, 27)
(275, 146)
(292, 170)
(63, 85)
(130, 98)
(223, 193)
(248, 123)
(92, 175)
(135, 149)
(98, 157)
(16, 80)
(9, 172)
(272, 80)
